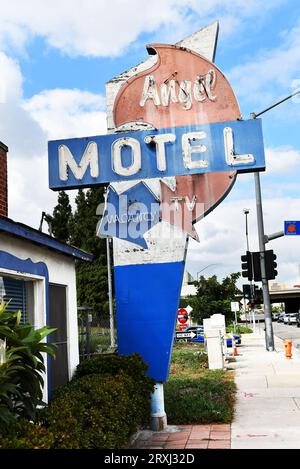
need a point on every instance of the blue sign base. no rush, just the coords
(147, 299)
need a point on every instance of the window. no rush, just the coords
(19, 296)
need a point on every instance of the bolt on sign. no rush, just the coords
(175, 144)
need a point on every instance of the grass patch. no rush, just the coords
(240, 329)
(194, 394)
(188, 362)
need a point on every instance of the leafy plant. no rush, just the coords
(106, 401)
(239, 329)
(97, 412)
(21, 380)
(23, 434)
(113, 363)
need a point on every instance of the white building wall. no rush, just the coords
(61, 270)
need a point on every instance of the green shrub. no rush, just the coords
(107, 401)
(26, 435)
(98, 411)
(111, 364)
(239, 329)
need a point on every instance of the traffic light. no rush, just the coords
(247, 270)
(256, 266)
(271, 265)
(247, 293)
(258, 295)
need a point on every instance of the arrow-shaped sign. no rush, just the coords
(185, 335)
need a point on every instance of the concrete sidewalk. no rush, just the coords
(267, 409)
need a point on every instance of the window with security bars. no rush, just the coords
(14, 292)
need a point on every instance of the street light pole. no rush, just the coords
(246, 212)
(262, 240)
(204, 269)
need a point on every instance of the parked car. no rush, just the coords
(281, 317)
(200, 336)
(292, 318)
(275, 316)
(298, 319)
(286, 318)
(198, 329)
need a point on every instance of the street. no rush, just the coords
(284, 331)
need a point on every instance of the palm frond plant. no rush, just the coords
(21, 367)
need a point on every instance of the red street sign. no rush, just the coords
(182, 316)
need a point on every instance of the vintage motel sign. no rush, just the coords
(176, 140)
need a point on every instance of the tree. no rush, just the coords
(214, 297)
(62, 217)
(79, 229)
(91, 277)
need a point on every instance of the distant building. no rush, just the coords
(188, 288)
(274, 286)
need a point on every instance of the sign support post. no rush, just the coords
(111, 312)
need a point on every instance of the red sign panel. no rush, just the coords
(183, 316)
(182, 88)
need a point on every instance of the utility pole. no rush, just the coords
(269, 336)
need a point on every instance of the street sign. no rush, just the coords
(292, 228)
(235, 306)
(185, 335)
(182, 316)
(189, 309)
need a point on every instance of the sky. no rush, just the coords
(55, 58)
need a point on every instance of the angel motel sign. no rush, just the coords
(184, 150)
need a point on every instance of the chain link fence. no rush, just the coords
(94, 334)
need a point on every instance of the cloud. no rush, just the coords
(223, 239)
(100, 28)
(270, 71)
(64, 113)
(281, 160)
(27, 125)
(10, 80)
